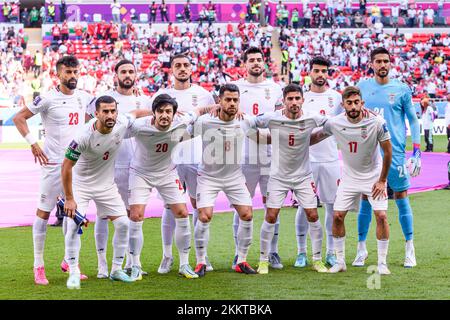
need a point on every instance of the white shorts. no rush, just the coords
(107, 200)
(304, 190)
(326, 177)
(253, 176)
(349, 194)
(188, 177)
(234, 188)
(169, 187)
(121, 177)
(50, 187)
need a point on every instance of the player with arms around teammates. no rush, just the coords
(392, 99)
(63, 112)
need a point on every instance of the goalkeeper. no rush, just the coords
(392, 99)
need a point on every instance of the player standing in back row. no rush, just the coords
(258, 95)
(63, 111)
(392, 99)
(321, 100)
(188, 154)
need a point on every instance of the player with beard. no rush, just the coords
(360, 134)
(392, 99)
(127, 100)
(63, 112)
(188, 154)
(258, 95)
(321, 100)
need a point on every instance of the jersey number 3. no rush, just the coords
(73, 119)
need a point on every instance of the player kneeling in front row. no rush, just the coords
(290, 131)
(152, 167)
(220, 170)
(358, 133)
(94, 150)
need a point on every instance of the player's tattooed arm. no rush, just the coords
(317, 137)
(66, 175)
(20, 120)
(379, 188)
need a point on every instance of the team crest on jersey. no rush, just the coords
(330, 102)
(267, 93)
(364, 132)
(80, 104)
(391, 98)
(195, 100)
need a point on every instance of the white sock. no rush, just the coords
(73, 246)
(120, 242)
(244, 237)
(194, 217)
(409, 244)
(136, 242)
(183, 239)
(235, 231)
(274, 243)
(167, 231)
(101, 239)
(382, 246)
(201, 238)
(316, 233)
(339, 245)
(39, 235)
(301, 230)
(329, 212)
(267, 231)
(64, 226)
(362, 246)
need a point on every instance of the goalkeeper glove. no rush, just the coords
(414, 163)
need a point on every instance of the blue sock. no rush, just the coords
(405, 217)
(364, 219)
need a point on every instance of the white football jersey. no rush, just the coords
(222, 145)
(256, 99)
(96, 152)
(359, 144)
(290, 142)
(125, 104)
(62, 116)
(189, 152)
(154, 148)
(327, 104)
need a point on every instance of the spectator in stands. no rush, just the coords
(115, 11)
(187, 12)
(51, 12)
(429, 16)
(56, 32)
(211, 12)
(403, 8)
(33, 17)
(358, 20)
(267, 11)
(163, 11)
(339, 4)
(411, 17)
(307, 18)
(113, 33)
(153, 8)
(285, 16)
(330, 8)
(362, 7)
(65, 31)
(43, 14)
(62, 11)
(428, 115)
(440, 8)
(6, 9)
(15, 12)
(375, 13)
(395, 12)
(348, 7)
(25, 17)
(78, 29)
(420, 14)
(295, 18)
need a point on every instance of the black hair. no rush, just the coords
(162, 100)
(68, 61)
(379, 50)
(228, 87)
(321, 61)
(179, 56)
(292, 87)
(104, 99)
(121, 63)
(252, 50)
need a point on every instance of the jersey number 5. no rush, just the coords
(73, 119)
(291, 140)
(353, 146)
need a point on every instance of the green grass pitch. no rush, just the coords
(429, 280)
